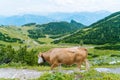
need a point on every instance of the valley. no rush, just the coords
(19, 46)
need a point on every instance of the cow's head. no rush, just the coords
(40, 59)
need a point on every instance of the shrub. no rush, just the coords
(109, 47)
(22, 55)
(115, 55)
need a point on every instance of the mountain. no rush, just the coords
(23, 19)
(86, 18)
(55, 29)
(104, 31)
(29, 34)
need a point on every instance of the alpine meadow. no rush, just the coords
(56, 32)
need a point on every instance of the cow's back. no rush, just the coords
(67, 55)
(61, 55)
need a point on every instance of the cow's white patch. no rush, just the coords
(40, 60)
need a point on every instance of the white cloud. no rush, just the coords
(89, 5)
(10, 7)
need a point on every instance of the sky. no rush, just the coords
(14, 7)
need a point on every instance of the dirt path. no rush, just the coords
(25, 74)
(22, 74)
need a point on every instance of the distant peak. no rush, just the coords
(73, 21)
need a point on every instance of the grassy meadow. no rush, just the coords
(30, 30)
(97, 58)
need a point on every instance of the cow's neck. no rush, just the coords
(46, 57)
(43, 58)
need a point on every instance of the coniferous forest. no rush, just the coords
(104, 31)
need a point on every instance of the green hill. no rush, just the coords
(104, 31)
(7, 34)
(54, 29)
(30, 34)
(15, 35)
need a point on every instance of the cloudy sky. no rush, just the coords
(13, 7)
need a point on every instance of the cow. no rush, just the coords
(68, 56)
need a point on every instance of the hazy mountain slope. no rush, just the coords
(23, 19)
(104, 31)
(86, 18)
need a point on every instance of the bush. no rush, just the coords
(6, 54)
(22, 55)
(109, 47)
(115, 55)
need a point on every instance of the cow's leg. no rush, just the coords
(60, 68)
(78, 67)
(53, 66)
(87, 65)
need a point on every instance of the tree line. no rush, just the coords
(54, 29)
(102, 32)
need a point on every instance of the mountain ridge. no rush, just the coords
(86, 18)
(104, 31)
(55, 28)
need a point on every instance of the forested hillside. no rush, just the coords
(12, 35)
(28, 34)
(104, 31)
(5, 36)
(54, 29)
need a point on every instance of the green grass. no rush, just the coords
(15, 32)
(103, 57)
(95, 55)
(46, 40)
(90, 75)
(94, 75)
(56, 76)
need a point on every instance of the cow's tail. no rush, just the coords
(87, 65)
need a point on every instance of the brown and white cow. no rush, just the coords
(68, 56)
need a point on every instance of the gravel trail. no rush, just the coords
(25, 74)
